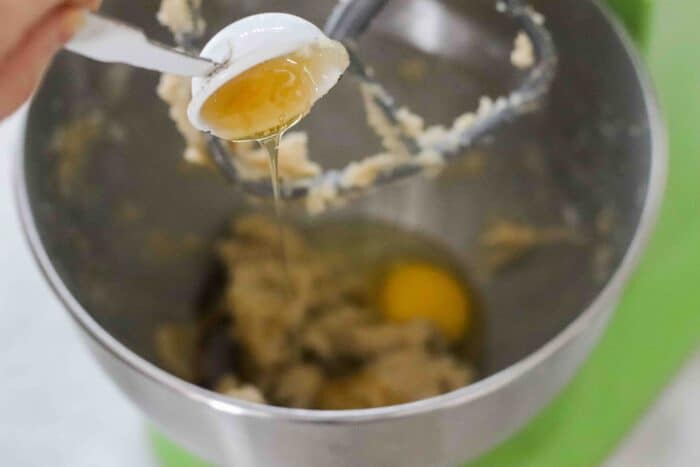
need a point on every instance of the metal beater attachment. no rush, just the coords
(347, 23)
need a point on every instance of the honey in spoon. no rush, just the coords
(261, 104)
(264, 101)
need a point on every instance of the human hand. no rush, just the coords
(31, 32)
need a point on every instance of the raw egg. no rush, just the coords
(421, 290)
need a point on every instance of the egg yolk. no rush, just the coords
(420, 290)
(263, 100)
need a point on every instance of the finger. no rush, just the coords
(18, 17)
(23, 68)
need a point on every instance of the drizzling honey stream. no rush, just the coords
(260, 105)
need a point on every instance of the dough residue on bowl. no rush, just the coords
(175, 91)
(307, 333)
(177, 16)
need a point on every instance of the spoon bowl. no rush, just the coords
(252, 41)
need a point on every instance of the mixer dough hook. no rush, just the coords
(347, 22)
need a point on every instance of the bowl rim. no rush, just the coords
(607, 295)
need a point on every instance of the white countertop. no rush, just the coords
(58, 409)
(56, 406)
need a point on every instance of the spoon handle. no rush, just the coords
(107, 40)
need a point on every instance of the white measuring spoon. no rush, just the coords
(236, 48)
(256, 39)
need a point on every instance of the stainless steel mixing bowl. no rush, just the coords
(121, 226)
